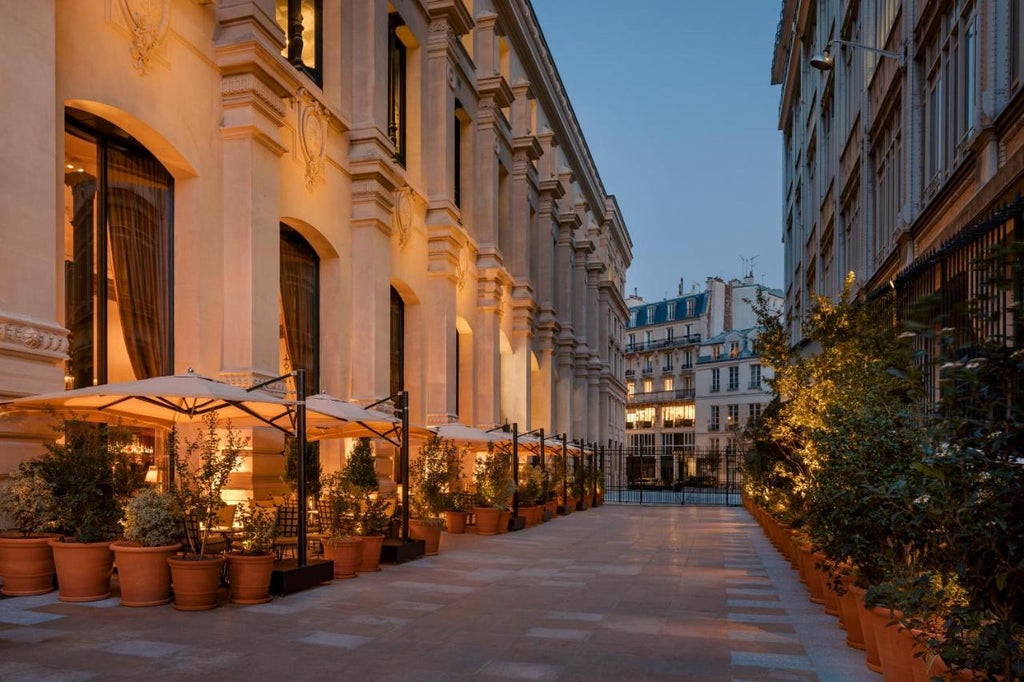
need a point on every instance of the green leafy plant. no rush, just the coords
(314, 469)
(369, 506)
(257, 529)
(152, 519)
(531, 485)
(202, 474)
(89, 474)
(493, 477)
(435, 473)
(28, 499)
(339, 509)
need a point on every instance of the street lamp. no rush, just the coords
(824, 61)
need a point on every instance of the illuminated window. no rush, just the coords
(669, 383)
(396, 87)
(302, 23)
(118, 255)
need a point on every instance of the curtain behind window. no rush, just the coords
(139, 191)
(300, 303)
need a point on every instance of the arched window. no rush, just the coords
(397, 342)
(300, 306)
(118, 256)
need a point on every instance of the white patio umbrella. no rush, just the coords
(330, 417)
(160, 402)
(468, 435)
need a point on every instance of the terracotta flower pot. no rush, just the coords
(429, 531)
(249, 577)
(487, 519)
(370, 560)
(829, 597)
(143, 573)
(849, 605)
(83, 569)
(810, 574)
(867, 625)
(26, 565)
(455, 521)
(894, 650)
(195, 582)
(506, 516)
(347, 554)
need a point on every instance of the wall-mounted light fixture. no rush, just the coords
(825, 61)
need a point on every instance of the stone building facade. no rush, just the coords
(693, 378)
(392, 195)
(904, 161)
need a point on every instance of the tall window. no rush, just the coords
(687, 359)
(951, 84)
(716, 380)
(753, 412)
(668, 384)
(733, 417)
(734, 378)
(1016, 43)
(118, 256)
(300, 306)
(302, 21)
(755, 376)
(396, 87)
(888, 185)
(714, 423)
(397, 343)
(460, 114)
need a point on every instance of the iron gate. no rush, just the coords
(654, 475)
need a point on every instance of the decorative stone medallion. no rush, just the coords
(147, 21)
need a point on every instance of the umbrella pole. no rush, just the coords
(515, 470)
(403, 457)
(300, 437)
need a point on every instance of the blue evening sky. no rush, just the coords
(675, 101)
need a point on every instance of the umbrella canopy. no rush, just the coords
(160, 402)
(330, 417)
(468, 435)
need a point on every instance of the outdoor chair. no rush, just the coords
(287, 539)
(192, 537)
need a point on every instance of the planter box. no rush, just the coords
(289, 577)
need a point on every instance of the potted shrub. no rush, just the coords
(531, 484)
(251, 563)
(338, 513)
(152, 526)
(199, 479)
(26, 559)
(90, 475)
(371, 506)
(455, 512)
(434, 474)
(494, 486)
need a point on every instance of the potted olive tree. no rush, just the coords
(200, 476)
(494, 486)
(432, 476)
(26, 559)
(251, 562)
(152, 526)
(370, 505)
(338, 515)
(91, 476)
(531, 486)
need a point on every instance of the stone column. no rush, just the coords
(33, 340)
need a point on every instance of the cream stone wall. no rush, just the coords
(527, 272)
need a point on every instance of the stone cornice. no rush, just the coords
(453, 12)
(497, 88)
(32, 338)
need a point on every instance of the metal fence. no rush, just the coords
(673, 476)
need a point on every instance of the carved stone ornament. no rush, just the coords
(312, 135)
(28, 337)
(147, 21)
(461, 267)
(403, 214)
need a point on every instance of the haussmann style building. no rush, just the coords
(693, 381)
(391, 195)
(903, 139)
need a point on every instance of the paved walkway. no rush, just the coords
(615, 593)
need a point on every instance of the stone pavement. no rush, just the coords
(614, 593)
